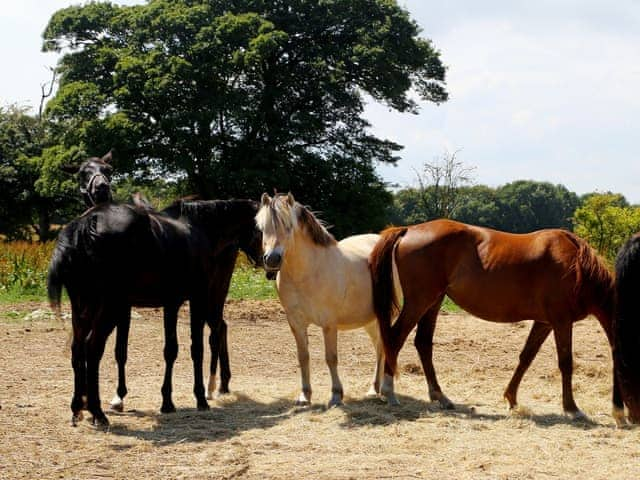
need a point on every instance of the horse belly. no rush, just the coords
(497, 302)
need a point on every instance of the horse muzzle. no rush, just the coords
(272, 261)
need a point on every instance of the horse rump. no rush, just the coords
(626, 325)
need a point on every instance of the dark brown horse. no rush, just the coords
(549, 276)
(94, 178)
(94, 182)
(115, 256)
(626, 325)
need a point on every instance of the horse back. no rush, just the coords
(492, 274)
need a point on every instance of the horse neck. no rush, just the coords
(303, 256)
(222, 226)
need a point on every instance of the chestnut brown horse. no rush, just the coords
(626, 325)
(549, 276)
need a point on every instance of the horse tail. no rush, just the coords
(626, 324)
(56, 274)
(385, 301)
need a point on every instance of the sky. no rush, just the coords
(545, 90)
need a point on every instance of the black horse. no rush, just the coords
(116, 256)
(94, 181)
(626, 325)
(94, 177)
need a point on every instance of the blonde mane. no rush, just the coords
(285, 218)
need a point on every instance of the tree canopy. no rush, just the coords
(242, 96)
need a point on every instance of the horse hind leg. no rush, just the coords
(424, 345)
(538, 334)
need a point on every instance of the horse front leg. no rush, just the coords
(617, 403)
(302, 344)
(225, 369)
(122, 344)
(78, 363)
(95, 345)
(198, 316)
(331, 357)
(219, 352)
(374, 335)
(170, 319)
(563, 336)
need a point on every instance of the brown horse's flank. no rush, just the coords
(551, 276)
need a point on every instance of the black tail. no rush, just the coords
(626, 324)
(385, 302)
(55, 276)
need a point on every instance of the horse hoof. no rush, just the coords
(577, 416)
(335, 402)
(302, 402)
(392, 400)
(168, 408)
(203, 407)
(618, 416)
(446, 404)
(76, 418)
(100, 422)
(372, 393)
(116, 405)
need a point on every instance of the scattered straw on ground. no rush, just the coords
(257, 432)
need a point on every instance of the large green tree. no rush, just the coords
(33, 190)
(242, 96)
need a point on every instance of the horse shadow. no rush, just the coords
(368, 412)
(223, 421)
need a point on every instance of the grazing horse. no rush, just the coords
(94, 177)
(626, 325)
(319, 281)
(135, 257)
(549, 276)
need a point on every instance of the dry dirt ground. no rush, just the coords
(257, 432)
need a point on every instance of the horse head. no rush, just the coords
(94, 178)
(250, 239)
(277, 221)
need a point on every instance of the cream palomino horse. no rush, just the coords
(320, 281)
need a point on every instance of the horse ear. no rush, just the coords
(69, 168)
(290, 199)
(265, 199)
(108, 156)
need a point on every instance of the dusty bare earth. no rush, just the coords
(256, 432)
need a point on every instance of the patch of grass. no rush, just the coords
(449, 306)
(23, 270)
(250, 283)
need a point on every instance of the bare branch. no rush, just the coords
(44, 93)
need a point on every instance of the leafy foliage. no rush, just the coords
(521, 206)
(606, 221)
(33, 191)
(239, 97)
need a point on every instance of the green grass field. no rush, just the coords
(23, 276)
